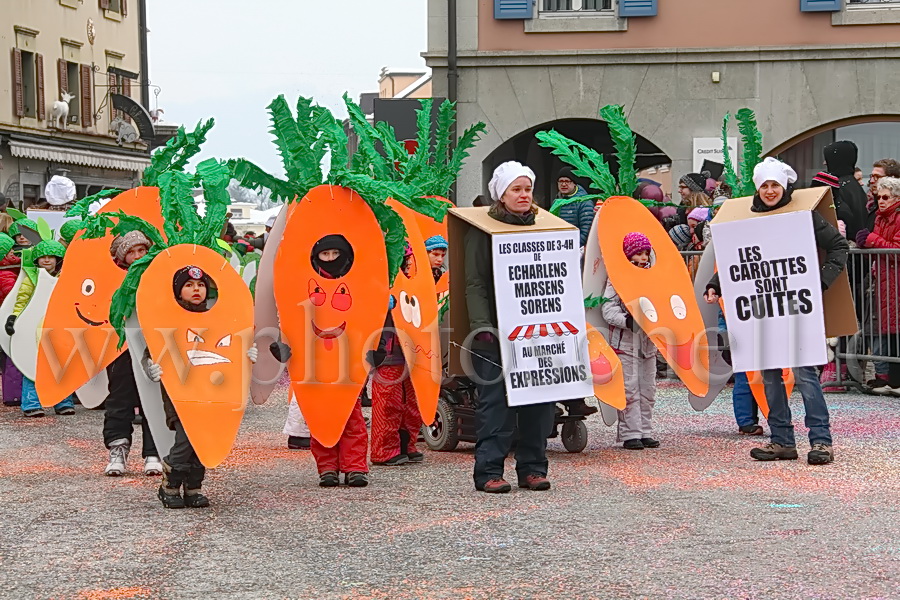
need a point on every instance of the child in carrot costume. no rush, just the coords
(332, 257)
(182, 467)
(395, 414)
(9, 272)
(637, 353)
(47, 255)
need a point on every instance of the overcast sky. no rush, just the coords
(229, 58)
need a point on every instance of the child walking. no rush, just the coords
(9, 272)
(182, 467)
(332, 258)
(637, 353)
(123, 397)
(48, 255)
(395, 414)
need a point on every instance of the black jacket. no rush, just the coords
(828, 238)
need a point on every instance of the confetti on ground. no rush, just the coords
(696, 518)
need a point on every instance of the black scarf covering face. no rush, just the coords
(499, 212)
(335, 268)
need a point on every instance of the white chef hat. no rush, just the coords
(504, 175)
(773, 169)
(59, 190)
(270, 222)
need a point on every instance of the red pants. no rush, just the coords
(349, 454)
(393, 408)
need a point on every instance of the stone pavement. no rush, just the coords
(694, 519)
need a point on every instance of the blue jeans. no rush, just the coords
(30, 398)
(746, 411)
(807, 381)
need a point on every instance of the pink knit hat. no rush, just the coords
(634, 243)
(699, 214)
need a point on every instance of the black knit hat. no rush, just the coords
(695, 182)
(186, 274)
(840, 158)
(567, 173)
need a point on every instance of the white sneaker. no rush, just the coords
(118, 457)
(152, 466)
(884, 390)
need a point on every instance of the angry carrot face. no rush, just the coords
(196, 314)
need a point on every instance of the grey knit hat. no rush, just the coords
(122, 244)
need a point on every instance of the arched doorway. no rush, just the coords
(593, 133)
(876, 136)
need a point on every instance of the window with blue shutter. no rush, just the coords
(821, 5)
(637, 8)
(513, 9)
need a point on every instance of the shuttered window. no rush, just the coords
(18, 84)
(87, 109)
(513, 9)
(62, 75)
(637, 8)
(41, 100)
(821, 5)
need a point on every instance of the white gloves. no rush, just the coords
(253, 353)
(154, 372)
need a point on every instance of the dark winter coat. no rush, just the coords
(828, 238)
(580, 214)
(850, 205)
(480, 300)
(886, 270)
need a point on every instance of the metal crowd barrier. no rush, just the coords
(875, 283)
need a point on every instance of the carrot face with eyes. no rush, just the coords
(331, 289)
(77, 341)
(416, 318)
(203, 354)
(660, 298)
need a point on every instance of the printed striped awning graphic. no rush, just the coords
(560, 328)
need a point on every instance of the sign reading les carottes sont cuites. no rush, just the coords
(540, 315)
(769, 274)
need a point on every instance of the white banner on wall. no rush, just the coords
(711, 149)
(771, 289)
(540, 314)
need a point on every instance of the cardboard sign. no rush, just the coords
(772, 291)
(540, 314)
(840, 316)
(203, 355)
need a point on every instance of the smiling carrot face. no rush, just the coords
(415, 317)
(660, 298)
(77, 341)
(331, 305)
(203, 355)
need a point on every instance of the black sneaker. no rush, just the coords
(35, 412)
(750, 430)
(415, 457)
(400, 459)
(356, 479)
(170, 498)
(296, 442)
(329, 479)
(194, 499)
(633, 445)
(68, 410)
(773, 451)
(820, 454)
(650, 443)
